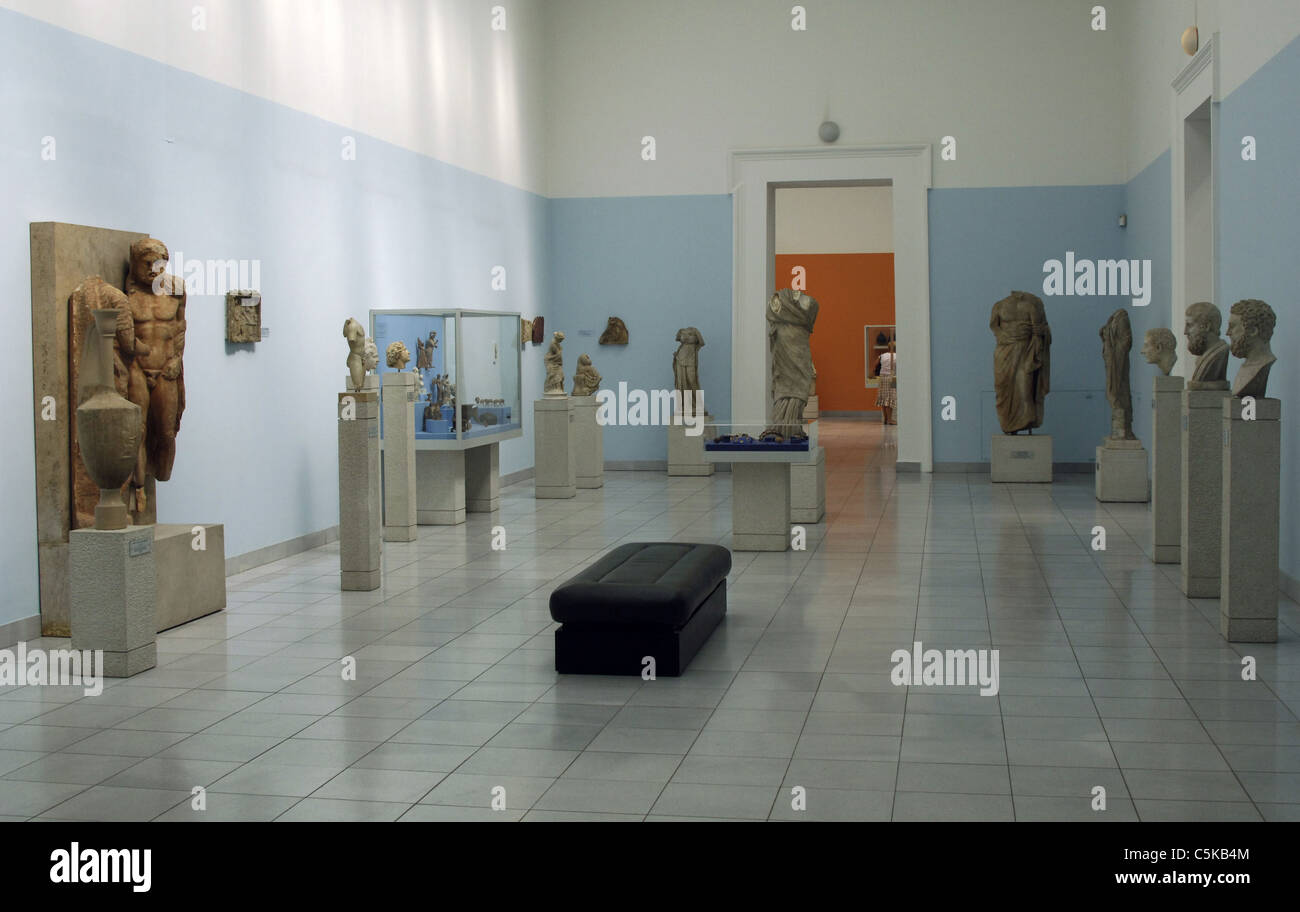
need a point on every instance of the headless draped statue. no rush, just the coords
(1116, 342)
(1021, 361)
(790, 318)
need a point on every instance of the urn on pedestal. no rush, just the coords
(108, 425)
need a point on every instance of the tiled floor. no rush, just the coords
(1109, 677)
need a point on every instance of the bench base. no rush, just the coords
(610, 650)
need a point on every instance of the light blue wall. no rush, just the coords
(660, 263)
(1259, 245)
(219, 174)
(1146, 200)
(984, 243)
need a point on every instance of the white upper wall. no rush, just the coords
(1250, 33)
(431, 76)
(1031, 93)
(835, 220)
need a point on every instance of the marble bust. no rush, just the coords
(1160, 347)
(1202, 330)
(585, 380)
(1250, 327)
(398, 355)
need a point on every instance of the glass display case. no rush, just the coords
(468, 362)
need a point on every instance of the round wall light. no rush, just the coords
(829, 131)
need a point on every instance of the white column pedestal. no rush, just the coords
(1252, 466)
(1021, 458)
(400, 389)
(554, 458)
(808, 489)
(360, 527)
(1166, 469)
(483, 478)
(589, 444)
(686, 453)
(1122, 472)
(1202, 490)
(760, 506)
(440, 487)
(113, 589)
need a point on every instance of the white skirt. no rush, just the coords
(886, 393)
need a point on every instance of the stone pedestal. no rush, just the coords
(113, 590)
(760, 506)
(686, 452)
(1021, 458)
(190, 564)
(1252, 464)
(1122, 472)
(400, 390)
(589, 443)
(812, 408)
(483, 478)
(1202, 490)
(554, 457)
(808, 489)
(359, 491)
(440, 487)
(1166, 469)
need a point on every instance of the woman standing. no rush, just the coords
(887, 394)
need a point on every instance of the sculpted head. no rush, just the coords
(370, 355)
(557, 336)
(1250, 326)
(1201, 326)
(148, 260)
(1160, 347)
(584, 360)
(398, 355)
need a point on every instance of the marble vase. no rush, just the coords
(108, 425)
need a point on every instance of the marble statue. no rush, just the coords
(1116, 343)
(398, 355)
(355, 333)
(1021, 361)
(1160, 347)
(424, 351)
(370, 355)
(686, 360)
(615, 332)
(554, 359)
(156, 370)
(586, 381)
(1202, 330)
(1250, 327)
(790, 318)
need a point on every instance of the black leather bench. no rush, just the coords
(658, 599)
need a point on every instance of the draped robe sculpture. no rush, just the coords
(1021, 361)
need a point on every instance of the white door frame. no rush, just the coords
(1197, 83)
(754, 175)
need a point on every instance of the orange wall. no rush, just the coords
(853, 290)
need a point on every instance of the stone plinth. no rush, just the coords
(589, 444)
(1202, 490)
(686, 452)
(113, 588)
(190, 564)
(1252, 463)
(554, 456)
(808, 489)
(360, 529)
(760, 506)
(483, 478)
(400, 391)
(812, 408)
(440, 487)
(1166, 469)
(1021, 458)
(1122, 472)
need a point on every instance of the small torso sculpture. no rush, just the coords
(586, 381)
(1250, 327)
(1160, 348)
(156, 370)
(1021, 361)
(1202, 330)
(554, 360)
(790, 319)
(1116, 342)
(356, 336)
